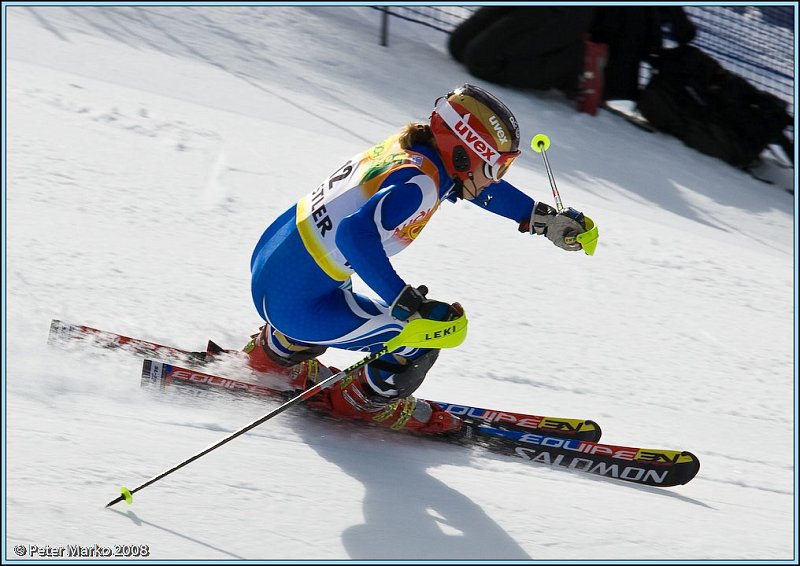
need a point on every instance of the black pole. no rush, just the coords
(324, 384)
(420, 332)
(385, 27)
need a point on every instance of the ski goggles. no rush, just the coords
(495, 172)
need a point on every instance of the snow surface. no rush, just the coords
(147, 149)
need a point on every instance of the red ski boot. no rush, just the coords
(299, 374)
(352, 398)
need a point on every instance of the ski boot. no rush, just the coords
(354, 398)
(361, 396)
(300, 368)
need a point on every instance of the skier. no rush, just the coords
(370, 208)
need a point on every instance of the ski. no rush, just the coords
(561, 443)
(161, 375)
(644, 466)
(581, 429)
(571, 444)
(65, 333)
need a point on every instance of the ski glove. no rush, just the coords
(559, 227)
(411, 302)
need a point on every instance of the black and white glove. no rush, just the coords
(559, 227)
(411, 303)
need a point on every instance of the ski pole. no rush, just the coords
(540, 144)
(588, 239)
(418, 333)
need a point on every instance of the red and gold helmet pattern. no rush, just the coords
(472, 127)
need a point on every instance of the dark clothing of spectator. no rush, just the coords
(633, 35)
(542, 47)
(538, 47)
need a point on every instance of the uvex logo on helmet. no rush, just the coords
(501, 133)
(475, 141)
(472, 127)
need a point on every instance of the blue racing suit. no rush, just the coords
(372, 207)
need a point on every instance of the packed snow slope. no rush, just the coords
(147, 149)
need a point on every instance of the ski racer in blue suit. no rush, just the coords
(370, 208)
